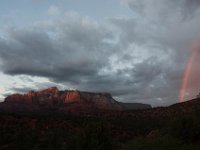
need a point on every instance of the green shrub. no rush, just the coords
(185, 128)
(159, 143)
(94, 136)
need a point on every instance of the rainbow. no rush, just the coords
(187, 72)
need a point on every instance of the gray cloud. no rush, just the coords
(139, 58)
(74, 48)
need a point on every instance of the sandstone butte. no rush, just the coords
(66, 100)
(62, 100)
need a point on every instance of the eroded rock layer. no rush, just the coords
(63, 100)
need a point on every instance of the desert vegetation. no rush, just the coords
(61, 131)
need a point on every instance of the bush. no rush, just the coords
(94, 136)
(185, 128)
(160, 143)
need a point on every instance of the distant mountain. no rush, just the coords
(68, 100)
(134, 106)
(178, 109)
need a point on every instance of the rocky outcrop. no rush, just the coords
(72, 97)
(18, 98)
(47, 96)
(68, 100)
(52, 98)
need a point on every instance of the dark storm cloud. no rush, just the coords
(172, 26)
(139, 58)
(165, 29)
(70, 51)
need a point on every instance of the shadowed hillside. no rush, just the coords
(176, 127)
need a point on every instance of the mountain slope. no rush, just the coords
(134, 106)
(68, 100)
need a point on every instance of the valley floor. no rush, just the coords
(62, 131)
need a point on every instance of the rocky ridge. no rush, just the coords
(52, 98)
(67, 100)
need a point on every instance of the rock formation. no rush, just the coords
(52, 98)
(68, 100)
(72, 97)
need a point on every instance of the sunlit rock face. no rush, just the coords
(65, 100)
(72, 96)
(18, 98)
(47, 96)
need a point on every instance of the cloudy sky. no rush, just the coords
(135, 49)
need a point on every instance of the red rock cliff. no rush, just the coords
(72, 96)
(54, 98)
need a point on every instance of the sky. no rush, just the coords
(136, 50)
